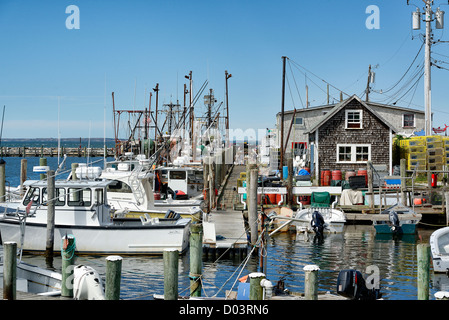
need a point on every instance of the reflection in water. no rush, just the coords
(357, 248)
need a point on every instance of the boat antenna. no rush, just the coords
(1, 134)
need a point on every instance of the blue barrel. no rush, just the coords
(285, 172)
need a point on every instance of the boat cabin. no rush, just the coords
(71, 197)
(185, 180)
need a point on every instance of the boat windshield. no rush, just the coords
(32, 194)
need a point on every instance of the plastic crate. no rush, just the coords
(435, 159)
(413, 149)
(434, 145)
(435, 152)
(435, 167)
(417, 156)
(417, 167)
(414, 142)
(432, 139)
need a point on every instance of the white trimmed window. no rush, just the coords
(353, 153)
(408, 120)
(353, 119)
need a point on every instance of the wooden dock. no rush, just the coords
(53, 152)
(230, 235)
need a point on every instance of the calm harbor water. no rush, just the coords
(358, 247)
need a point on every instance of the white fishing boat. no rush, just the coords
(131, 190)
(439, 248)
(321, 217)
(82, 209)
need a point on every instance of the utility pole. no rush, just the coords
(439, 24)
(427, 81)
(282, 117)
(367, 84)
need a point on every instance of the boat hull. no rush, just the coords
(334, 220)
(120, 240)
(439, 248)
(407, 228)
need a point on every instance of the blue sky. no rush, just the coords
(129, 46)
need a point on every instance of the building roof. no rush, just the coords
(343, 104)
(370, 103)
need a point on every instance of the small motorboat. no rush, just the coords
(396, 220)
(439, 248)
(321, 217)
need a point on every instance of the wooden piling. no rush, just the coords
(2, 180)
(42, 162)
(311, 282)
(255, 289)
(196, 250)
(252, 205)
(9, 270)
(403, 182)
(446, 201)
(206, 190)
(290, 179)
(23, 175)
(113, 277)
(50, 215)
(423, 255)
(369, 170)
(171, 259)
(68, 262)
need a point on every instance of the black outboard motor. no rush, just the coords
(317, 223)
(351, 284)
(394, 221)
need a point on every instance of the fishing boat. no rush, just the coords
(82, 209)
(397, 219)
(321, 217)
(439, 248)
(131, 194)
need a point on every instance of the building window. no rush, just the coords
(354, 119)
(353, 153)
(299, 121)
(408, 120)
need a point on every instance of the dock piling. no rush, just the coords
(255, 289)
(9, 270)
(68, 262)
(196, 250)
(113, 277)
(311, 282)
(50, 217)
(171, 259)
(423, 255)
(252, 205)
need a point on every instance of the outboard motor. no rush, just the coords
(351, 284)
(394, 221)
(317, 223)
(87, 284)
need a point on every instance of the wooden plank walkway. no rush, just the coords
(229, 230)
